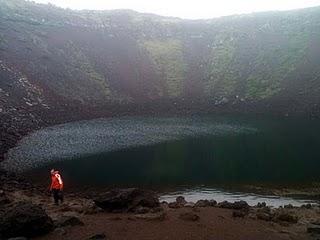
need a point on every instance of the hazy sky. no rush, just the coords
(191, 9)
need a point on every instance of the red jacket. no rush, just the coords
(56, 181)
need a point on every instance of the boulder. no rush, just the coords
(126, 200)
(239, 213)
(64, 221)
(179, 203)
(206, 203)
(213, 203)
(225, 204)
(175, 205)
(288, 206)
(181, 200)
(236, 205)
(189, 204)
(240, 205)
(189, 216)
(261, 205)
(24, 219)
(307, 206)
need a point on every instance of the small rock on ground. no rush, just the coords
(189, 216)
(60, 231)
(239, 213)
(175, 205)
(264, 216)
(100, 236)
(286, 217)
(68, 221)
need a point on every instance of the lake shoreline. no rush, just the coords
(180, 219)
(273, 196)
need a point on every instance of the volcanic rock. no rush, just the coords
(126, 200)
(24, 219)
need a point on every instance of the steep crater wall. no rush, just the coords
(60, 65)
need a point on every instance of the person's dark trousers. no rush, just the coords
(57, 195)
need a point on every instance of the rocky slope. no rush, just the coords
(59, 65)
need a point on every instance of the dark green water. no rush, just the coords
(279, 152)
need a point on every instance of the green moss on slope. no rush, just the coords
(80, 62)
(168, 58)
(221, 78)
(273, 65)
(255, 72)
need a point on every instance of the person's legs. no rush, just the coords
(55, 193)
(61, 196)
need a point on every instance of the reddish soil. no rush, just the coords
(214, 224)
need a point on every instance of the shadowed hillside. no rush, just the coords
(59, 65)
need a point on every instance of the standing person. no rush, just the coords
(56, 186)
